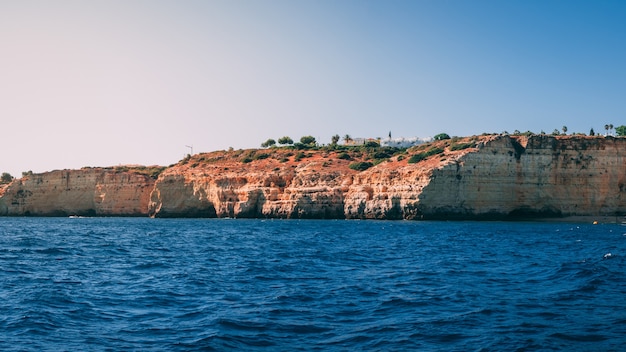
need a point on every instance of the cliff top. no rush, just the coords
(337, 158)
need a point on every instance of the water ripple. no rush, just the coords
(203, 285)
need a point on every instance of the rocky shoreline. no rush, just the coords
(493, 177)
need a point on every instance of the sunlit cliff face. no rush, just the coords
(475, 177)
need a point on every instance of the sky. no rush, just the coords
(106, 83)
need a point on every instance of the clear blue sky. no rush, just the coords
(101, 83)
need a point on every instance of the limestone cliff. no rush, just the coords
(476, 177)
(93, 192)
(529, 177)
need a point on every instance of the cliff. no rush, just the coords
(480, 177)
(89, 192)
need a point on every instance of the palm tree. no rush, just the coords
(606, 127)
(610, 126)
(347, 139)
(564, 129)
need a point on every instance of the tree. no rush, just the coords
(606, 127)
(441, 136)
(285, 140)
(347, 139)
(564, 128)
(308, 140)
(620, 130)
(592, 132)
(556, 132)
(268, 143)
(334, 139)
(6, 178)
(610, 126)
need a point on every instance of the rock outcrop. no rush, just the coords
(481, 177)
(86, 192)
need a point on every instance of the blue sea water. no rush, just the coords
(128, 284)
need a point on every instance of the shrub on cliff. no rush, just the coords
(249, 156)
(299, 156)
(415, 158)
(441, 136)
(360, 165)
(344, 156)
(260, 156)
(6, 178)
(382, 153)
(461, 146)
(371, 144)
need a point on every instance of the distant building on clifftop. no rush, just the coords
(359, 141)
(404, 142)
(389, 142)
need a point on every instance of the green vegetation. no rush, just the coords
(360, 165)
(415, 158)
(248, 156)
(6, 178)
(308, 141)
(285, 141)
(268, 143)
(334, 139)
(620, 130)
(461, 146)
(441, 136)
(344, 156)
(299, 156)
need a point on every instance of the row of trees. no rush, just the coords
(618, 131)
(308, 141)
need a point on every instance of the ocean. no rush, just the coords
(138, 284)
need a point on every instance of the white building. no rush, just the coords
(404, 142)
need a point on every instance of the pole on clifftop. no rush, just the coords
(191, 148)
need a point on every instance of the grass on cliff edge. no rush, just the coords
(358, 158)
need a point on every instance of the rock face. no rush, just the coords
(92, 192)
(496, 177)
(529, 177)
(271, 190)
(486, 177)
